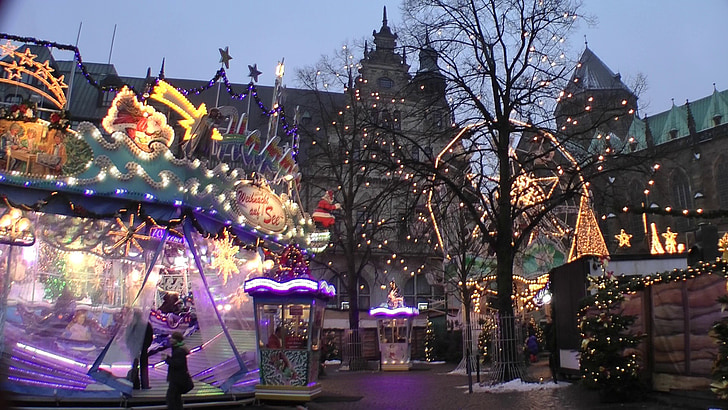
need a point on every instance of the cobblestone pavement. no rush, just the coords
(429, 386)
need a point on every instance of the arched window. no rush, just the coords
(397, 120)
(636, 199)
(424, 293)
(386, 119)
(681, 198)
(342, 294)
(385, 82)
(721, 181)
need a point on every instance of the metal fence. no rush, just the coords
(352, 356)
(507, 347)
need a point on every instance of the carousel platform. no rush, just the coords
(40, 381)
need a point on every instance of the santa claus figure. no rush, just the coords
(322, 215)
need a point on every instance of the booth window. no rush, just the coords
(283, 326)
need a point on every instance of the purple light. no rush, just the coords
(297, 286)
(396, 312)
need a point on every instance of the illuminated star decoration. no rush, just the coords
(7, 49)
(225, 57)
(254, 73)
(224, 257)
(128, 235)
(670, 243)
(623, 239)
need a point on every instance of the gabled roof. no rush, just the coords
(637, 131)
(717, 106)
(676, 119)
(592, 74)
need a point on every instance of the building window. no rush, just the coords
(673, 134)
(107, 97)
(636, 199)
(386, 119)
(721, 182)
(13, 98)
(681, 196)
(342, 300)
(424, 292)
(716, 120)
(397, 120)
(385, 82)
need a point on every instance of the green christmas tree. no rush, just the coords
(608, 355)
(719, 331)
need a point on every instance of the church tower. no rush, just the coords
(594, 101)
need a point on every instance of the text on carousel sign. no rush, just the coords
(261, 207)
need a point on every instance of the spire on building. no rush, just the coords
(161, 70)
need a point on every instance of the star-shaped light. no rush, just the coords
(44, 69)
(623, 239)
(224, 257)
(254, 73)
(7, 49)
(225, 57)
(27, 57)
(128, 235)
(14, 70)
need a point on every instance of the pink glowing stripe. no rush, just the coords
(400, 311)
(300, 285)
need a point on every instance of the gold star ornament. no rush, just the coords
(623, 239)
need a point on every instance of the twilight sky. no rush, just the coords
(679, 45)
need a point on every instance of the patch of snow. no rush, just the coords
(516, 385)
(332, 362)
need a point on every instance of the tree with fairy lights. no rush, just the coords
(608, 357)
(352, 133)
(504, 66)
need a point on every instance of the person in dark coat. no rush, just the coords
(177, 372)
(144, 356)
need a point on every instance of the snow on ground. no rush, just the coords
(515, 385)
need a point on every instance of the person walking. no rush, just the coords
(178, 375)
(144, 356)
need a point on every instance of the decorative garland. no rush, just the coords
(220, 74)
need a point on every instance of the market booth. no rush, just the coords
(289, 313)
(105, 229)
(394, 329)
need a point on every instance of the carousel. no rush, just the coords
(394, 328)
(114, 236)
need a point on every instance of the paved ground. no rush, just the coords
(429, 386)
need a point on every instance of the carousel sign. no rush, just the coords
(261, 207)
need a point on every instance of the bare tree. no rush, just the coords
(505, 66)
(465, 261)
(341, 149)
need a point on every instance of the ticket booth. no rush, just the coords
(394, 328)
(289, 318)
